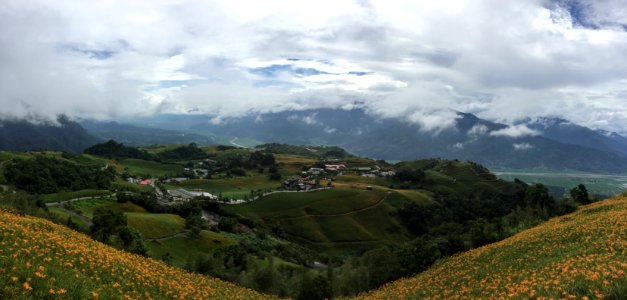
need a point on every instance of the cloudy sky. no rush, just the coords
(500, 59)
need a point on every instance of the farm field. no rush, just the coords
(154, 226)
(339, 219)
(601, 184)
(576, 255)
(138, 167)
(235, 188)
(182, 248)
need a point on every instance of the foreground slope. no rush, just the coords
(41, 260)
(576, 255)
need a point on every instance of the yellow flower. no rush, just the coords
(27, 286)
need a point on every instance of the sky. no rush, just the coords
(503, 60)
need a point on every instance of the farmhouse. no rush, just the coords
(335, 166)
(315, 171)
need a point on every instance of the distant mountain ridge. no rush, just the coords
(142, 136)
(543, 144)
(65, 135)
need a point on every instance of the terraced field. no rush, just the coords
(339, 219)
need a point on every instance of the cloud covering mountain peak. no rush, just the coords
(419, 60)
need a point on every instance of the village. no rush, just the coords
(308, 180)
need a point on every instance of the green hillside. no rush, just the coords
(341, 218)
(579, 255)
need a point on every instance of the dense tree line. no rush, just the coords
(44, 175)
(190, 151)
(113, 149)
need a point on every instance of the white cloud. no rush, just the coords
(502, 60)
(310, 119)
(458, 146)
(515, 131)
(478, 130)
(522, 146)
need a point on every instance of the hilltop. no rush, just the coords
(576, 255)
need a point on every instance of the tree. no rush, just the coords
(314, 288)
(132, 240)
(106, 223)
(537, 196)
(417, 255)
(580, 194)
(194, 223)
(383, 266)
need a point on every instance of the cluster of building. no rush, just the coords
(299, 184)
(142, 181)
(200, 173)
(377, 173)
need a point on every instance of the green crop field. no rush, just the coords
(601, 184)
(342, 219)
(183, 249)
(153, 226)
(138, 167)
(232, 187)
(121, 185)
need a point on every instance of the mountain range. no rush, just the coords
(542, 143)
(62, 135)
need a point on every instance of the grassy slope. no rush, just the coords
(343, 219)
(154, 226)
(230, 187)
(39, 260)
(155, 169)
(580, 254)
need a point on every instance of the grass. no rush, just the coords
(138, 167)
(183, 249)
(88, 207)
(153, 226)
(574, 256)
(236, 188)
(63, 215)
(292, 163)
(42, 260)
(333, 201)
(339, 219)
(63, 196)
(121, 185)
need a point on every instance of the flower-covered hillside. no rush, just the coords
(577, 256)
(42, 260)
